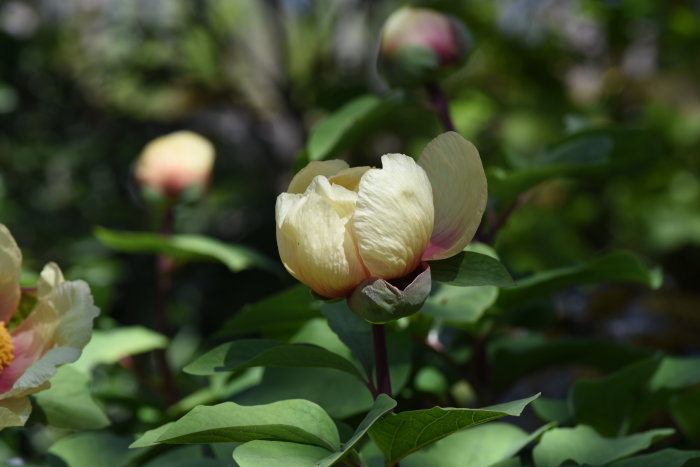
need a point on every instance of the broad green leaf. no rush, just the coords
(480, 446)
(150, 437)
(247, 353)
(355, 332)
(382, 405)
(336, 131)
(340, 394)
(109, 346)
(401, 434)
(92, 449)
(278, 315)
(583, 444)
(621, 402)
(296, 421)
(513, 358)
(664, 458)
(278, 454)
(552, 410)
(589, 153)
(459, 304)
(221, 387)
(68, 402)
(619, 266)
(190, 456)
(685, 409)
(186, 248)
(468, 269)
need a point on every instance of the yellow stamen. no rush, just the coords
(6, 347)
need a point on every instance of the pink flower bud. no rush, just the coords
(418, 42)
(173, 163)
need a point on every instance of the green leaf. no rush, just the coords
(401, 434)
(278, 454)
(382, 405)
(340, 394)
(622, 402)
(512, 359)
(150, 437)
(296, 421)
(280, 314)
(68, 402)
(664, 458)
(459, 304)
(480, 446)
(247, 353)
(619, 266)
(353, 331)
(337, 130)
(552, 410)
(185, 248)
(109, 346)
(588, 153)
(92, 449)
(685, 409)
(468, 269)
(583, 444)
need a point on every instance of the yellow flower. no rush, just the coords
(337, 226)
(56, 325)
(173, 163)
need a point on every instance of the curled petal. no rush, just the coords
(14, 412)
(10, 272)
(303, 178)
(313, 242)
(394, 216)
(53, 334)
(349, 178)
(460, 193)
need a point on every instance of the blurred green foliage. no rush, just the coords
(585, 112)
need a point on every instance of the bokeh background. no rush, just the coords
(85, 84)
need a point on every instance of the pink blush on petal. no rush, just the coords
(24, 357)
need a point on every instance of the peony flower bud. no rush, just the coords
(171, 164)
(379, 301)
(417, 43)
(338, 227)
(55, 330)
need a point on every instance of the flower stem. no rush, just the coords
(164, 266)
(381, 360)
(440, 105)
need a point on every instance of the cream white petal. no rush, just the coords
(349, 178)
(10, 272)
(394, 216)
(303, 178)
(459, 191)
(313, 242)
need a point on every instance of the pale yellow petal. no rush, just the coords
(14, 411)
(460, 193)
(303, 178)
(349, 178)
(10, 272)
(312, 238)
(394, 216)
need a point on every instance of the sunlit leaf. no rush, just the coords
(248, 353)
(332, 134)
(111, 345)
(186, 248)
(584, 445)
(470, 269)
(296, 421)
(68, 402)
(398, 435)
